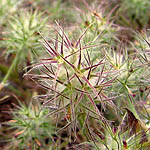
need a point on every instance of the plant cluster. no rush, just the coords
(94, 87)
(85, 80)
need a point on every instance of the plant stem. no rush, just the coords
(10, 69)
(131, 106)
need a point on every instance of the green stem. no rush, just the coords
(10, 69)
(131, 106)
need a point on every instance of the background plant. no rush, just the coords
(7, 7)
(56, 10)
(31, 128)
(133, 13)
(100, 23)
(22, 38)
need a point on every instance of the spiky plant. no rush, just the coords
(123, 66)
(83, 82)
(31, 128)
(128, 66)
(128, 135)
(99, 22)
(73, 75)
(22, 37)
(131, 66)
(140, 47)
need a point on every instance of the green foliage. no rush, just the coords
(31, 126)
(135, 13)
(57, 10)
(22, 38)
(23, 33)
(7, 7)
